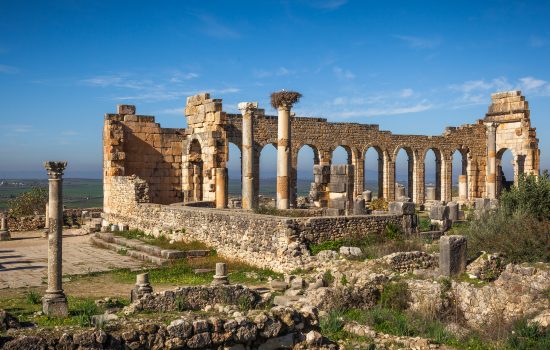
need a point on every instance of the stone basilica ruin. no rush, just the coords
(159, 179)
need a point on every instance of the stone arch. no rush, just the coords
(296, 184)
(379, 187)
(436, 192)
(409, 190)
(348, 149)
(234, 168)
(264, 175)
(502, 181)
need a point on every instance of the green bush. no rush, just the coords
(530, 196)
(29, 203)
(33, 297)
(395, 296)
(327, 245)
(392, 231)
(528, 337)
(520, 236)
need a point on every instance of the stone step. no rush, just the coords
(140, 255)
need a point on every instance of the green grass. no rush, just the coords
(162, 241)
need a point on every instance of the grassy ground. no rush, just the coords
(162, 241)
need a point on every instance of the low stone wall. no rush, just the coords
(196, 298)
(280, 328)
(275, 242)
(410, 261)
(26, 223)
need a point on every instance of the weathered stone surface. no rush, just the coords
(452, 255)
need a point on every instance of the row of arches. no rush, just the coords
(372, 172)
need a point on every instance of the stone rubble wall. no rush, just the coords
(38, 222)
(274, 329)
(275, 242)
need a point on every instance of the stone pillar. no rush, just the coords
(54, 302)
(446, 179)
(221, 187)
(430, 193)
(463, 187)
(249, 196)
(4, 231)
(359, 164)
(283, 102)
(452, 255)
(220, 278)
(141, 288)
(490, 185)
(389, 178)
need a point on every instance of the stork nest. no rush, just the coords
(287, 98)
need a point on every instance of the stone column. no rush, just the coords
(463, 187)
(490, 186)
(221, 187)
(389, 179)
(54, 302)
(359, 165)
(249, 196)
(283, 102)
(4, 231)
(446, 179)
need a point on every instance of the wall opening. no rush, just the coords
(459, 175)
(234, 171)
(374, 171)
(505, 170)
(268, 171)
(404, 167)
(196, 170)
(341, 155)
(307, 157)
(432, 175)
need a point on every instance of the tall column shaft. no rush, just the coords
(490, 185)
(283, 158)
(249, 196)
(463, 187)
(55, 301)
(221, 188)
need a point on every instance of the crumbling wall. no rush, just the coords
(136, 145)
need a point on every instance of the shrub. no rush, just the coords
(33, 297)
(327, 245)
(395, 296)
(521, 237)
(392, 231)
(379, 204)
(525, 336)
(84, 310)
(30, 202)
(530, 196)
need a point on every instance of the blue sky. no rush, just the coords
(412, 67)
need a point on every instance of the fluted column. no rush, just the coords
(249, 196)
(54, 302)
(491, 189)
(446, 179)
(283, 102)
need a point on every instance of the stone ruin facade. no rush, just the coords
(190, 165)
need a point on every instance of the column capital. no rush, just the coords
(247, 108)
(283, 100)
(55, 169)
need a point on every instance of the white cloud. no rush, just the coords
(419, 42)
(180, 77)
(212, 27)
(390, 110)
(172, 111)
(118, 80)
(8, 69)
(229, 90)
(537, 41)
(477, 91)
(343, 74)
(407, 93)
(19, 128)
(329, 4)
(279, 72)
(530, 83)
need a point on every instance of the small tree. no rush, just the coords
(29, 203)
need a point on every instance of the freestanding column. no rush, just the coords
(4, 231)
(463, 187)
(250, 198)
(491, 160)
(221, 187)
(54, 302)
(283, 102)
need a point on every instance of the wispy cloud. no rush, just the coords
(8, 69)
(279, 72)
(328, 4)
(19, 128)
(69, 133)
(387, 111)
(530, 83)
(172, 111)
(537, 41)
(406, 93)
(179, 77)
(212, 27)
(417, 42)
(343, 74)
(476, 91)
(121, 81)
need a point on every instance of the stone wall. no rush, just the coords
(136, 145)
(275, 242)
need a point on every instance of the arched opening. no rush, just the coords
(505, 170)
(307, 157)
(404, 168)
(432, 175)
(341, 155)
(374, 171)
(234, 171)
(195, 168)
(460, 176)
(268, 171)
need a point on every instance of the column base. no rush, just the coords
(220, 280)
(5, 236)
(55, 304)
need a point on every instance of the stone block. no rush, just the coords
(439, 212)
(126, 109)
(359, 207)
(367, 196)
(279, 286)
(401, 208)
(337, 187)
(338, 169)
(452, 255)
(351, 251)
(453, 211)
